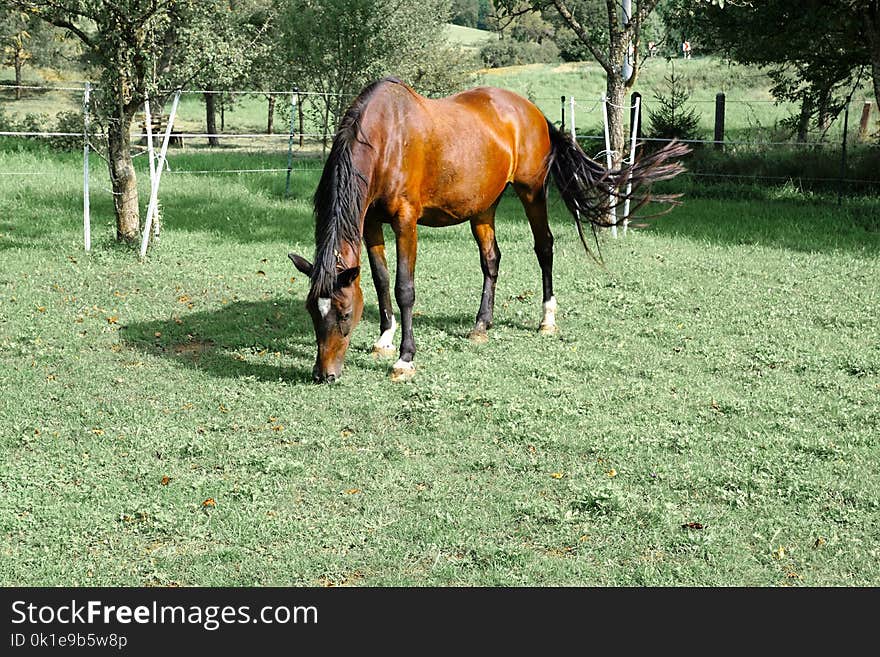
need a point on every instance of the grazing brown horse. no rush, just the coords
(401, 159)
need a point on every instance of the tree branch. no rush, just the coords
(583, 35)
(70, 27)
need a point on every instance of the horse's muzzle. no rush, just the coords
(324, 377)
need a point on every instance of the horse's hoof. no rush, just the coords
(478, 337)
(548, 329)
(402, 372)
(384, 352)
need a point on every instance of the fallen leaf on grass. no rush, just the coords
(779, 552)
(353, 491)
(165, 480)
(612, 472)
(557, 475)
(692, 525)
(209, 503)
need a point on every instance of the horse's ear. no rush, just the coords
(301, 263)
(346, 278)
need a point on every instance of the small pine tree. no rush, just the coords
(673, 119)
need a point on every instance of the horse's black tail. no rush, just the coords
(591, 192)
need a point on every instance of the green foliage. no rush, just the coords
(471, 13)
(672, 118)
(364, 40)
(511, 52)
(813, 50)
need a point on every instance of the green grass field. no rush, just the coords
(708, 415)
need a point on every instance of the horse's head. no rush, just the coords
(334, 317)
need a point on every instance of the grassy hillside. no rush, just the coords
(751, 110)
(468, 37)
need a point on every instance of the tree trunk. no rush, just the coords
(803, 124)
(123, 178)
(872, 32)
(270, 119)
(615, 90)
(19, 60)
(211, 118)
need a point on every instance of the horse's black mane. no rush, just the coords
(340, 195)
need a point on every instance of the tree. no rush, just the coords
(607, 35)
(813, 50)
(336, 47)
(137, 47)
(237, 38)
(23, 37)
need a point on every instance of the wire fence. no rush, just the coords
(298, 128)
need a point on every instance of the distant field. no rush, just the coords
(708, 415)
(468, 37)
(751, 114)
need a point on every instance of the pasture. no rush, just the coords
(708, 415)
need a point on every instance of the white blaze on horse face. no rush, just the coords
(386, 340)
(324, 306)
(549, 308)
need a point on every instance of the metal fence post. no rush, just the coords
(87, 221)
(843, 153)
(293, 104)
(152, 208)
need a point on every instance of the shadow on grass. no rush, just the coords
(797, 224)
(243, 339)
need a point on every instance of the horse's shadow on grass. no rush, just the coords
(242, 339)
(259, 339)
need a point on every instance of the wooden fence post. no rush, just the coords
(563, 113)
(635, 106)
(864, 121)
(719, 121)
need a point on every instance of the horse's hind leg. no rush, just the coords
(534, 200)
(483, 229)
(375, 243)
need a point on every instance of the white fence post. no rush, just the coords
(154, 191)
(632, 161)
(151, 153)
(87, 220)
(611, 208)
(571, 111)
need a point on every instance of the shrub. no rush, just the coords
(510, 52)
(673, 119)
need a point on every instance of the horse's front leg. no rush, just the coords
(375, 243)
(404, 290)
(483, 229)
